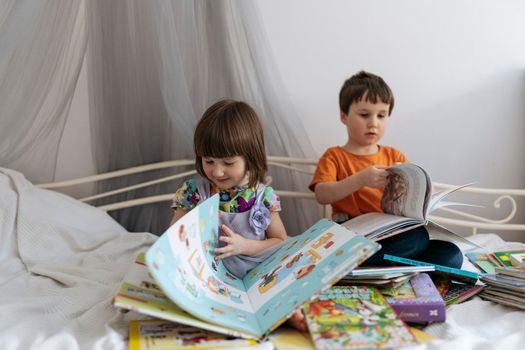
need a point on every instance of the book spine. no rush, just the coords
(440, 268)
(426, 313)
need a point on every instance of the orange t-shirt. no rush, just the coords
(337, 164)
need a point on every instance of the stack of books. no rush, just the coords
(506, 286)
(487, 262)
(388, 279)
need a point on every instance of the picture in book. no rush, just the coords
(406, 202)
(164, 335)
(355, 317)
(182, 264)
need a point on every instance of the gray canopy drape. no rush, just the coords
(153, 67)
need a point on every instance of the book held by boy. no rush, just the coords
(182, 266)
(406, 203)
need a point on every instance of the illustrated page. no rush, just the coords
(305, 265)
(182, 262)
(407, 191)
(355, 317)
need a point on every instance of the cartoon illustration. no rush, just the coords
(304, 271)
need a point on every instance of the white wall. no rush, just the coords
(457, 69)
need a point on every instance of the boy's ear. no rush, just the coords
(343, 116)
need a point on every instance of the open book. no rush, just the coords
(406, 202)
(183, 267)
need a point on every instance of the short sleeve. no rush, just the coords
(400, 157)
(326, 170)
(187, 196)
(271, 200)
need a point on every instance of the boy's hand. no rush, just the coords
(374, 176)
(235, 244)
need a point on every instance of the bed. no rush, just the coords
(63, 260)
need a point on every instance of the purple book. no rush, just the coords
(419, 301)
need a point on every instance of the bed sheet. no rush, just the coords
(62, 262)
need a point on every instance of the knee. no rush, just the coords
(443, 253)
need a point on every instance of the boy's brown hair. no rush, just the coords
(368, 86)
(231, 128)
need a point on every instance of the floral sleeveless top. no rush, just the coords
(234, 200)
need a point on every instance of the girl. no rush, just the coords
(231, 160)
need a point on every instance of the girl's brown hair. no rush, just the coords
(231, 128)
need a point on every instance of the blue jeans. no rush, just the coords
(416, 244)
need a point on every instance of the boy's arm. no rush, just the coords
(330, 192)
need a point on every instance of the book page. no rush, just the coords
(407, 192)
(304, 266)
(182, 263)
(376, 225)
(140, 293)
(436, 201)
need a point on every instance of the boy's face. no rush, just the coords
(365, 124)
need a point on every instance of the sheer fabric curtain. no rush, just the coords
(155, 66)
(42, 47)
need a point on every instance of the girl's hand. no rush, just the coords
(298, 321)
(235, 244)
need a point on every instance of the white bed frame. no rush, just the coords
(446, 216)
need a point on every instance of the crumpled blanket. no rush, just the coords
(61, 262)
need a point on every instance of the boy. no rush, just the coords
(352, 177)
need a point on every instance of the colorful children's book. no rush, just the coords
(355, 317)
(182, 265)
(518, 260)
(459, 292)
(419, 301)
(166, 335)
(511, 271)
(288, 338)
(392, 271)
(448, 272)
(406, 203)
(482, 261)
(506, 258)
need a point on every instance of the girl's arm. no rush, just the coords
(237, 244)
(177, 214)
(330, 192)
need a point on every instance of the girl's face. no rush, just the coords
(366, 123)
(227, 172)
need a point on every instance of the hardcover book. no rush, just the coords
(509, 258)
(407, 200)
(182, 266)
(482, 261)
(439, 270)
(166, 335)
(355, 317)
(419, 301)
(459, 292)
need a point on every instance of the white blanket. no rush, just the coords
(62, 262)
